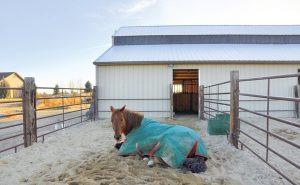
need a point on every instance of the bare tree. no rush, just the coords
(56, 90)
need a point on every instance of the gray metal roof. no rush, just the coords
(210, 30)
(201, 53)
(206, 39)
(6, 74)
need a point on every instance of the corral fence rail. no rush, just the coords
(131, 99)
(167, 99)
(211, 98)
(42, 114)
(174, 89)
(5, 138)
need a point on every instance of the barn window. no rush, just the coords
(177, 88)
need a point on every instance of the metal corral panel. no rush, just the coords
(134, 82)
(216, 73)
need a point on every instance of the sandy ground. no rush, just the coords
(285, 131)
(84, 155)
(42, 122)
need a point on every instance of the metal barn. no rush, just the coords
(157, 69)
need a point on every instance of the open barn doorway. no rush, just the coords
(185, 91)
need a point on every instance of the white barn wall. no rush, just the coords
(152, 81)
(134, 82)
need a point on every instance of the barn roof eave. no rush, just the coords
(197, 62)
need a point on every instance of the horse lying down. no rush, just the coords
(173, 145)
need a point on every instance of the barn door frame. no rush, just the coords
(193, 99)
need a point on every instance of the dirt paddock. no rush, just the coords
(84, 154)
(111, 169)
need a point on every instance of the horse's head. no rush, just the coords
(118, 121)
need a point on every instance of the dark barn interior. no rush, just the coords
(185, 91)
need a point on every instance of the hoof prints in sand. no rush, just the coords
(112, 169)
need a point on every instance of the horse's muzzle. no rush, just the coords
(117, 137)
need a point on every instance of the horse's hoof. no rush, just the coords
(150, 164)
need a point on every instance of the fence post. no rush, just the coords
(201, 102)
(297, 104)
(95, 102)
(29, 114)
(234, 107)
(63, 106)
(171, 101)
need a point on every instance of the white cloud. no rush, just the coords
(230, 12)
(98, 46)
(138, 6)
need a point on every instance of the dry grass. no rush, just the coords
(10, 108)
(58, 102)
(14, 108)
(10, 99)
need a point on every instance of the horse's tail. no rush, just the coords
(195, 165)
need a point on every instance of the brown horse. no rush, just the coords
(123, 121)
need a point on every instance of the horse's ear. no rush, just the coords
(112, 108)
(123, 108)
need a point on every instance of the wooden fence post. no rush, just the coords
(234, 107)
(95, 103)
(297, 104)
(29, 114)
(201, 103)
(171, 101)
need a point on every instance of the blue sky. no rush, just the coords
(56, 41)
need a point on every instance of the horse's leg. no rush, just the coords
(160, 161)
(154, 160)
(150, 162)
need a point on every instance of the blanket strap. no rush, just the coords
(137, 150)
(154, 149)
(193, 150)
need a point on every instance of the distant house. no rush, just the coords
(12, 79)
(145, 62)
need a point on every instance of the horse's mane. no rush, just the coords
(133, 120)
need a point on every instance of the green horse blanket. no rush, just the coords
(172, 143)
